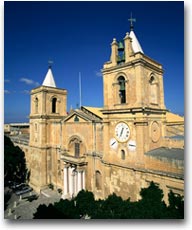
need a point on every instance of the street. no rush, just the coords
(23, 207)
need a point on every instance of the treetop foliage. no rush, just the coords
(150, 206)
(14, 162)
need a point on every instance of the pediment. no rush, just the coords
(76, 117)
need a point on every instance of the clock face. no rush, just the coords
(122, 132)
(113, 143)
(131, 145)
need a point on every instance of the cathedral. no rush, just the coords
(119, 148)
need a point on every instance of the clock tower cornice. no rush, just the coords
(139, 59)
(134, 110)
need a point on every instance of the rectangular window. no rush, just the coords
(77, 149)
(54, 101)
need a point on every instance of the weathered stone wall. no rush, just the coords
(127, 182)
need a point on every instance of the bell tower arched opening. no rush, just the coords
(54, 105)
(36, 105)
(122, 90)
(154, 94)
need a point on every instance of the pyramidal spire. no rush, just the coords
(49, 79)
(135, 43)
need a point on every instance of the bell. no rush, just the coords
(118, 59)
(120, 46)
(123, 57)
(76, 119)
(122, 86)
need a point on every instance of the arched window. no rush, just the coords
(153, 90)
(122, 91)
(54, 101)
(36, 105)
(123, 154)
(98, 182)
(76, 147)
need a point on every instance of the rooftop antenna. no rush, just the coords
(131, 21)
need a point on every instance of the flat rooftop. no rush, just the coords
(169, 153)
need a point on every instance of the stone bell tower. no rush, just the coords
(134, 106)
(48, 108)
(131, 79)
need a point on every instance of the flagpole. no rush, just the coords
(80, 89)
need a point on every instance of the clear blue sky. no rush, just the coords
(76, 36)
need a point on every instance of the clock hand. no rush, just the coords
(113, 143)
(121, 132)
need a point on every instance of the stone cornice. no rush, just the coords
(56, 116)
(133, 110)
(143, 170)
(47, 89)
(80, 161)
(140, 60)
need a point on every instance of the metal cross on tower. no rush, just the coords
(131, 21)
(50, 63)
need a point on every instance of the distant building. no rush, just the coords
(119, 148)
(16, 128)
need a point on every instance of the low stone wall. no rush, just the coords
(173, 143)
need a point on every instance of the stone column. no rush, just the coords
(76, 182)
(114, 52)
(70, 181)
(83, 179)
(79, 180)
(128, 47)
(73, 176)
(65, 190)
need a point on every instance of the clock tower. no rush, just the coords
(134, 106)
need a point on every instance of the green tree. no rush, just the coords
(129, 209)
(47, 212)
(68, 209)
(85, 203)
(151, 206)
(176, 206)
(14, 162)
(112, 207)
(64, 209)
(97, 212)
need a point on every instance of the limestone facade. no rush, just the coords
(106, 150)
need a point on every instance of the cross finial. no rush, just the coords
(50, 63)
(131, 21)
